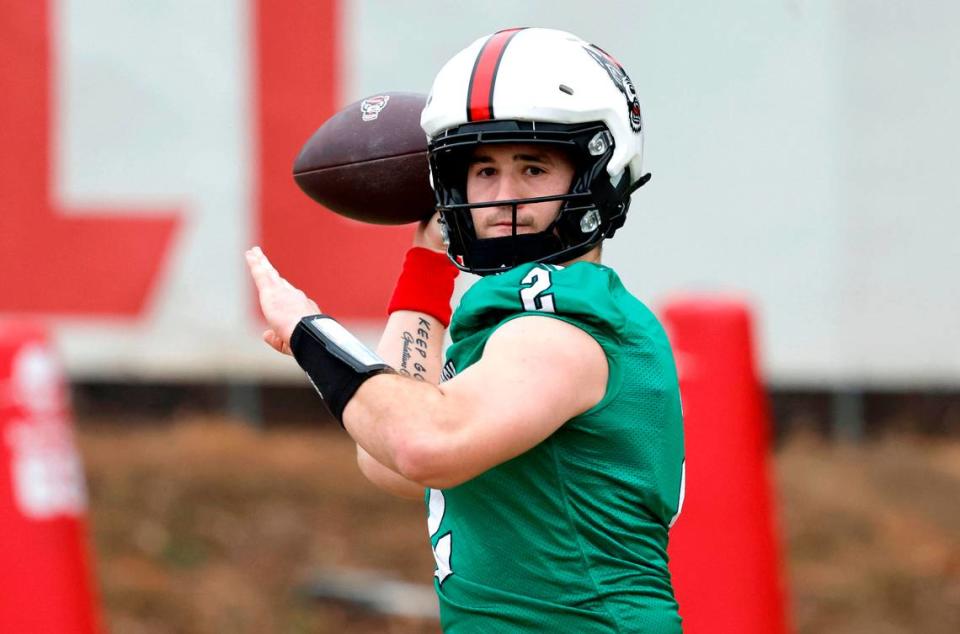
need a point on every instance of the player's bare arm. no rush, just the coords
(536, 373)
(412, 343)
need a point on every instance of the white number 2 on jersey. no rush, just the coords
(441, 552)
(532, 296)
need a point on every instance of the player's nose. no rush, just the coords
(508, 188)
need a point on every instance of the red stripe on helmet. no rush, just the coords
(484, 75)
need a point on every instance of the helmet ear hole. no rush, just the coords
(590, 221)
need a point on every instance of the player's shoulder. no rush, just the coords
(587, 294)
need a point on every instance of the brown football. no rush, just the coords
(369, 161)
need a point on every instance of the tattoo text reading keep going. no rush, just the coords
(418, 344)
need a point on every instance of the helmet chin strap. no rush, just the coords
(492, 255)
(496, 254)
(640, 183)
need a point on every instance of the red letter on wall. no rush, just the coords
(49, 263)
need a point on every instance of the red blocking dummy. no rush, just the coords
(44, 570)
(724, 548)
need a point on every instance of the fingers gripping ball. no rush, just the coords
(369, 161)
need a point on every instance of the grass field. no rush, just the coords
(209, 526)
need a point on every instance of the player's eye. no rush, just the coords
(486, 171)
(534, 170)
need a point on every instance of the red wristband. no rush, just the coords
(425, 284)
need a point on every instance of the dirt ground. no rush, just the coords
(210, 526)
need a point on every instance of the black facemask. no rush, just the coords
(592, 210)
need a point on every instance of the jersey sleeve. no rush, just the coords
(581, 294)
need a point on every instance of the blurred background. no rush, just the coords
(802, 156)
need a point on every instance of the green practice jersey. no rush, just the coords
(570, 536)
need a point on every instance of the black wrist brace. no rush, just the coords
(335, 361)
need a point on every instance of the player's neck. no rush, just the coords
(593, 255)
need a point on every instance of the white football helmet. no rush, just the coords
(533, 85)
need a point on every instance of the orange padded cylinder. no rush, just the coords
(44, 567)
(724, 549)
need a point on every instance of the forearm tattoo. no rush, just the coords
(415, 349)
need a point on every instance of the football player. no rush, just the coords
(548, 447)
